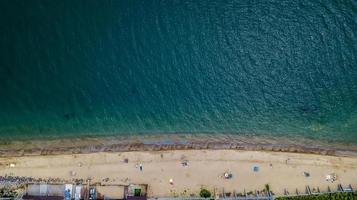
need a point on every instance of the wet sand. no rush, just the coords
(92, 144)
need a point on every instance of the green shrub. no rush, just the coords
(267, 187)
(7, 193)
(137, 192)
(332, 196)
(205, 193)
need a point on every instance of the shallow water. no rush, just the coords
(280, 68)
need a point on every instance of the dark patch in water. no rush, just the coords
(308, 109)
(134, 91)
(69, 116)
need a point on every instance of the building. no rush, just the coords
(78, 192)
(44, 191)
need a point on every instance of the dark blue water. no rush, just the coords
(280, 68)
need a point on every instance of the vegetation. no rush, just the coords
(137, 192)
(204, 193)
(332, 196)
(267, 187)
(8, 193)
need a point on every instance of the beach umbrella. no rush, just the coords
(227, 175)
(72, 173)
(256, 168)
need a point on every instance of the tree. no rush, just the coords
(205, 193)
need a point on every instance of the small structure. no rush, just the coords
(135, 192)
(92, 193)
(53, 191)
(44, 191)
(78, 192)
(110, 192)
(68, 191)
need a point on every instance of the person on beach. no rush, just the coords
(287, 161)
(141, 167)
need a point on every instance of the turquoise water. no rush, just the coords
(280, 68)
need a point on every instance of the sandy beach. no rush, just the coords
(205, 168)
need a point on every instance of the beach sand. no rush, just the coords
(281, 170)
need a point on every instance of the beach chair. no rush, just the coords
(348, 189)
(286, 192)
(351, 187)
(308, 190)
(339, 188)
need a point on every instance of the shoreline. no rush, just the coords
(161, 142)
(114, 160)
(204, 169)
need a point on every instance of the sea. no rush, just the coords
(277, 68)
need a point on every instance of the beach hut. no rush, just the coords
(135, 192)
(110, 191)
(78, 192)
(44, 191)
(92, 193)
(68, 191)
